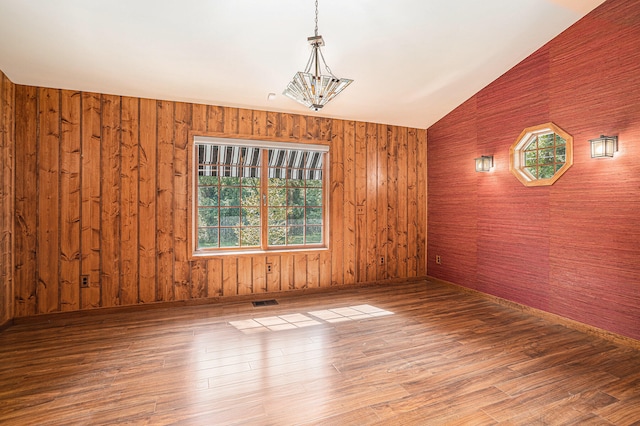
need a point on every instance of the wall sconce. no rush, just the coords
(604, 146)
(484, 163)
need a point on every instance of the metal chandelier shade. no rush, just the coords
(310, 87)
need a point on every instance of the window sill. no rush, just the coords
(242, 253)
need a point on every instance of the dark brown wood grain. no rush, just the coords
(7, 195)
(572, 248)
(121, 168)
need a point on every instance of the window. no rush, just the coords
(541, 154)
(258, 195)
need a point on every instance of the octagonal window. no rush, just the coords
(541, 154)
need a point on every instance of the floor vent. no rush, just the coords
(269, 302)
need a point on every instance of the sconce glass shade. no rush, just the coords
(604, 146)
(484, 163)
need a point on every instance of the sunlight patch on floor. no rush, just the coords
(292, 321)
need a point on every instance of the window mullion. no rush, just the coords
(264, 198)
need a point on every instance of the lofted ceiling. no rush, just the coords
(412, 61)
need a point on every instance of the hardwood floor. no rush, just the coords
(418, 353)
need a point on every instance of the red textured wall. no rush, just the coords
(573, 248)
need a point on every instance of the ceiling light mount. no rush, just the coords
(311, 87)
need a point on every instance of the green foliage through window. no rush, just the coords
(231, 183)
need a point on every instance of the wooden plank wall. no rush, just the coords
(572, 248)
(103, 193)
(7, 187)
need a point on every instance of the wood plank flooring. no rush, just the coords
(418, 353)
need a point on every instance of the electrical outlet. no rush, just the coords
(268, 268)
(438, 259)
(84, 281)
(382, 260)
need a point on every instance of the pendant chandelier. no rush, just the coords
(310, 87)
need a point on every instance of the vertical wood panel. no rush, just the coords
(213, 277)
(361, 201)
(259, 270)
(337, 204)
(325, 268)
(245, 277)
(273, 277)
(129, 202)
(48, 195)
(300, 271)
(412, 204)
(313, 270)
(26, 208)
(147, 207)
(202, 285)
(402, 168)
(382, 258)
(421, 237)
(90, 195)
(349, 206)
(286, 272)
(392, 203)
(371, 182)
(165, 211)
(182, 267)
(229, 276)
(70, 202)
(7, 194)
(259, 123)
(245, 123)
(110, 201)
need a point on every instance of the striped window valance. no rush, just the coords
(245, 161)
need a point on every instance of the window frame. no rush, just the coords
(517, 162)
(265, 145)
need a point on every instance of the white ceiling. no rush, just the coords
(413, 61)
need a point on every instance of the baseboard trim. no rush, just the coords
(548, 316)
(61, 316)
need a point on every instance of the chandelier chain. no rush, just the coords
(316, 18)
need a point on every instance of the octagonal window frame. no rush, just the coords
(517, 162)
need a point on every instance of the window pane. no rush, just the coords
(295, 234)
(546, 156)
(295, 183)
(251, 216)
(295, 216)
(277, 181)
(230, 181)
(314, 197)
(295, 197)
(317, 182)
(250, 196)
(208, 217)
(545, 140)
(546, 172)
(229, 237)
(277, 216)
(533, 171)
(277, 236)
(277, 197)
(251, 181)
(207, 237)
(250, 237)
(229, 217)
(230, 196)
(208, 196)
(207, 180)
(314, 216)
(314, 234)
